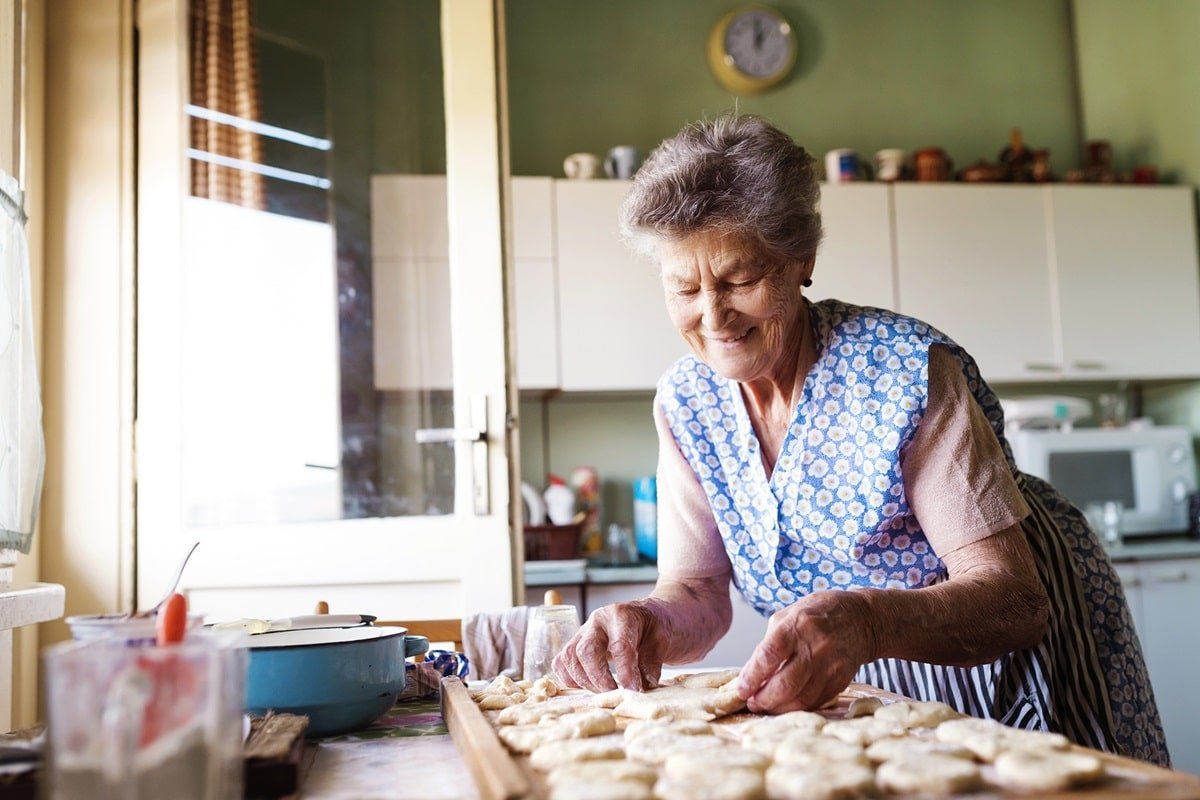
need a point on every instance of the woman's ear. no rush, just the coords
(806, 270)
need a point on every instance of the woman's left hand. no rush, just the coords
(810, 653)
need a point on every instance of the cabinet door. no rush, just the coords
(1129, 281)
(1171, 641)
(855, 263)
(535, 283)
(615, 334)
(972, 261)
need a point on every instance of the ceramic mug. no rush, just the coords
(932, 164)
(842, 166)
(889, 164)
(581, 166)
(622, 162)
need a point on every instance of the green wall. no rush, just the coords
(1139, 67)
(870, 74)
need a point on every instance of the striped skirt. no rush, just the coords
(1086, 679)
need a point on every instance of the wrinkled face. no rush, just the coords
(738, 313)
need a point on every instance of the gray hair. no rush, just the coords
(733, 174)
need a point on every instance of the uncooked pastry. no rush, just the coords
(690, 767)
(830, 781)
(911, 747)
(687, 727)
(545, 685)
(916, 714)
(600, 748)
(807, 749)
(581, 725)
(929, 774)
(602, 790)
(987, 738)
(764, 735)
(1047, 771)
(526, 714)
(863, 707)
(673, 702)
(738, 784)
(703, 680)
(600, 771)
(494, 701)
(654, 747)
(862, 731)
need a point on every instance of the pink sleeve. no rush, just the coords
(689, 544)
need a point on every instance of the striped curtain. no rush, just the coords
(224, 78)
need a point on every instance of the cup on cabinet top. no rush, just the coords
(622, 162)
(582, 166)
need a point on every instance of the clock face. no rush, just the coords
(759, 44)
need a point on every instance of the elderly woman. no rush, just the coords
(847, 468)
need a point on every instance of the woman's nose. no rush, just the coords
(715, 312)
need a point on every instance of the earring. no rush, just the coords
(806, 282)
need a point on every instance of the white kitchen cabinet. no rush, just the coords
(1163, 596)
(410, 255)
(615, 333)
(855, 263)
(973, 262)
(1128, 283)
(733, 650)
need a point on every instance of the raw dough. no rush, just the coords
(916, 714)
(502, 684)
(1047, 771)
(862, 731)
(808, 749)
(987, 738)
(929, 774)
(703, 680)
(545, 685)
(554, 754)
(602, 790)
(600, 771)
(526, 714)
(580, 725)
(764, 735)
(738, 784)
(690, 767)
(910, 747)
(494, 701)
(863, 707)
(524, 685)
(840, 780)
(687, 727)
(672, 702)
(654, 747)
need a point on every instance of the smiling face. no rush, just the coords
(739, 313)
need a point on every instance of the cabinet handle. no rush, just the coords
(1037, 367)
(1178, 576)
(1132, 583)
(1089, 365)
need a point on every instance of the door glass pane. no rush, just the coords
(315, 307)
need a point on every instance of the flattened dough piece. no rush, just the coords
(600, 771)
(837, 780)
(545, 686)
(602, 790)
(600, 748)
(1045, 771)
(738, 784)
(579, 725)
(687, 727)
(863, 707)
(704, 680)
(910, 714)
(806, 749)
(862, 731)
(764, 735)
(929, 774)
(655, 747)
(987, 738)
(525, 714)
(494, 701)
(672, 702)
(910, 747)
(703, 765)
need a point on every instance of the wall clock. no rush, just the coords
(751, 49)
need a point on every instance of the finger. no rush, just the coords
(592, 652)
(772, 652)
(565, 666)
(651, 669)
(789, 689)
(624, 640)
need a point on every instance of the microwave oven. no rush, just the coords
(1150, 470)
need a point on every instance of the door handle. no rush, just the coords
(1092, 365)
(477, 437)
(1040, 367)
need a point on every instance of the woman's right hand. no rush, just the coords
(630, 635)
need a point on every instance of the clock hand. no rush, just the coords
(758, 34)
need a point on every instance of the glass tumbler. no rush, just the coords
(1105, 519)
(549, 630)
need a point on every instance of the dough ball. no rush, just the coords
(916, 714)
(526, 714)
(838, 780)
(602, 790)
(987, 738)
(601, 771)
(546, 685)
(810, 750)
(494, 701)
(687, 727)
(929, 774)
(890, 749)
(862, 731)
(523, 685)
(699, 766)
(654, 747)
(1045, 771)
(738, 784)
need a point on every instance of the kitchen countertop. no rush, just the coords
(1155, 548)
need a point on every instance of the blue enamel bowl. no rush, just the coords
(342, 679)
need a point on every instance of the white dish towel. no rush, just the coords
(22, 448)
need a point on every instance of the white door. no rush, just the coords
(263, 430)
(855, 263)
(1171, 643)
(972, 261)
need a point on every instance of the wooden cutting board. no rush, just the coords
(499, 775)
